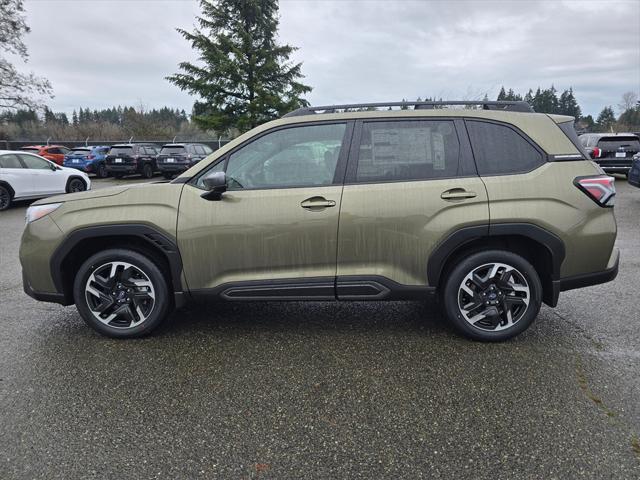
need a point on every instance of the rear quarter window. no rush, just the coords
(499, 149)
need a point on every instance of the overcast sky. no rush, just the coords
(99, 53)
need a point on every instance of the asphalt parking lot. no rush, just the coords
(323, 390)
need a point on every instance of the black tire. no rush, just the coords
(167, 175)
(147, 170)
(498, 292)
(118, 328)
(102, 171)
(75, 185)
(5, 198)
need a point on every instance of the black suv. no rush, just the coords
(175, 158)
(612, 151)
(131, 158)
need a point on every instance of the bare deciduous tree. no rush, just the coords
(629, 101)
(17, 90)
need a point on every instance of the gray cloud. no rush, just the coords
(100, 53)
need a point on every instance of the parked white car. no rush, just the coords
(26, 176)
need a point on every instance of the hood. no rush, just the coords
(70, 197)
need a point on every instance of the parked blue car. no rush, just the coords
(634, 173)
(88, 159)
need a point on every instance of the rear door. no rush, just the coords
(410, 183)
(13, 172)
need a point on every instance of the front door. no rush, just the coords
(45, 179)
(410, 183)
(274, 232)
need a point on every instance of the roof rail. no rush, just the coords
(514, 106)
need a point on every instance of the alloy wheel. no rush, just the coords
(493, 297)
(76, 186)
(5, 198)
(120, 295)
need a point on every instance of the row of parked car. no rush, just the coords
(119, 160)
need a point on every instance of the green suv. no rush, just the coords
(492, 207)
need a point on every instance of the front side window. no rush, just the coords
(499, 149)
(408, 150)
(291, 157)
(35, 163)
(10, 161)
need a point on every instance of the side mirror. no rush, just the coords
(216, 184)
(53, 167)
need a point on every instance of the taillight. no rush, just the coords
(601, 189)
(596, 152)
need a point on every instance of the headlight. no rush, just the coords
(39, 211)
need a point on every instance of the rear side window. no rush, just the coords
(499, 149)
(569, 130)
(10, 161)
(408, 150)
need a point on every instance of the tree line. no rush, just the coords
(548, 101)
(109, 124)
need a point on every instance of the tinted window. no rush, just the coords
(27, 149)
(499, 149)
(297, 156)
(121, 151)
(10, 161)
(614, 143)
(173, 150)
(35, 162)
(199, 150)
(151, 150)
(570, 131)
(80, 151)
(54, 151)
(207, 150)
(408, 150)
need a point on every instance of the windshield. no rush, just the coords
(173, 150)
(79, 151)
(121, 151)
(614, 143)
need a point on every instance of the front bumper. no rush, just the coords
(587, 279)
(43, 296)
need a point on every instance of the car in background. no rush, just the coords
(612, 151)
(132, 158)
(175, 158)
(634, 173)
(88, 159)
(55, 153)
(25, 176)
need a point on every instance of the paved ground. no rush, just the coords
(323, 390)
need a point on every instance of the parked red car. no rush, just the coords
(55, 153)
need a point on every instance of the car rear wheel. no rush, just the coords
(5, 198)
(121, 293)
(492, 296)
(102, 171)
(147, 170)
(167, 175)
(76, 185)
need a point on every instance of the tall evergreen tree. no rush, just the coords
(244, 77)
(606, 119)
(502, 95)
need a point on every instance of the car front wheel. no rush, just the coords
(121, 293)
(147, 170)
(76, 185)
(492, 296)
(102, 171)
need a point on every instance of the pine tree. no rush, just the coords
(502, 95)
(605, 120)
(245, 78)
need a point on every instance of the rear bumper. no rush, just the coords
(122, 168)
(174, 167)
(587, 279)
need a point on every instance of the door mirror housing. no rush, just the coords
(216, 184)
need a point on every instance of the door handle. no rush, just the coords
(457, 194)
(317, 203)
